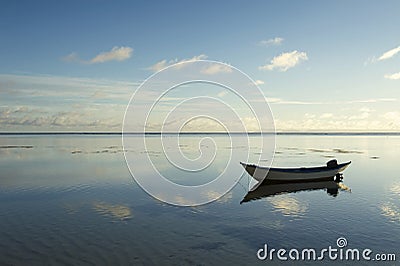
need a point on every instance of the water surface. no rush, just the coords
(70, 199)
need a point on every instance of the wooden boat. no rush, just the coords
(328, 172)
(270, 188)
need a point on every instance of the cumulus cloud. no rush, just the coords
(164, 63)
(203, 124)
(39, 118)
(216, 68)
(389, 54)
(326, 115)
(259, 82)
(62, 103)
(392, 76)
(393, 119)
(363, 113)
(222, 93)
(285, 61)
(115, 54)
(393, 116)
(161, 65)
(362, 119)
(270, 42)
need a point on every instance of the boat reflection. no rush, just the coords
(270, 188)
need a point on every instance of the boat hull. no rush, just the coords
(294, 174)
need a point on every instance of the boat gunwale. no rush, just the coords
(301, 169)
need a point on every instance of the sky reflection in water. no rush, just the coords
(62, 206)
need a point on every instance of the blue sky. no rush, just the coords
(323, 65)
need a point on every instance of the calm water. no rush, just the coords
(72, 200)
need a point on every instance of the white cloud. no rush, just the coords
(216, 68)
(365, 110)
(259, 82)
(251, 124)
(364, 113)
(393, 119)
(222, 93)
(273, 100)
(373, 100)
(66, 103)
(41, 118)
(285, 61)
(203, 124)
(273, 41)
(62, 103)
(283, 101)
(161, 65)
(56, 88)
(349, 119)
(393, 116)
(394, 76)
(326, 115)
(164, 63)
(115, 54)
(389, 54)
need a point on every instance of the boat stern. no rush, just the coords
(255, 171)
(250, 169)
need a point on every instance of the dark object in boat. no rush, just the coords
(332, 163)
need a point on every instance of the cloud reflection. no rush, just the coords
(390, 209)
(117, 211)
(289, 205)
(395, 189)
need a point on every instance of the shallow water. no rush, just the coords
(71, 200)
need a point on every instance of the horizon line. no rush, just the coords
(204, 133)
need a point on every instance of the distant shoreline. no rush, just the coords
(210, 133)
